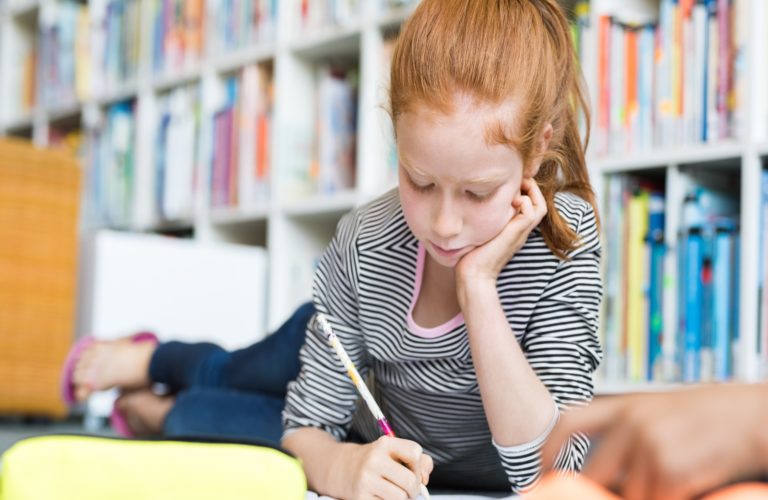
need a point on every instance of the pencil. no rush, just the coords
(334, 342)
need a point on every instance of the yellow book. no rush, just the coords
(636, 270)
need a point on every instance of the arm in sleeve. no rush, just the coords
(322, 395)
(562, 347)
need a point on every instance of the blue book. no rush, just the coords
(656, 280)
(645, 84)
(693, 297)
(723, 307)
(708, 291)
(158, 36)
(161, 162)
(736, 292)
(762, 320)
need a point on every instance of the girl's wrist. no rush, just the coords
(337, 473)
(475, 288)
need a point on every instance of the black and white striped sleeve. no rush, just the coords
(561, 344)
(323, 395)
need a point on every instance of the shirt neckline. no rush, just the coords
(436, 331)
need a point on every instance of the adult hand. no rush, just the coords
(387, 468)
(485, 262)
(672, 445)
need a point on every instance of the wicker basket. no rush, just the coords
(39, 201)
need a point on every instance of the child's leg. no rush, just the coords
(266, 366)
(269, 365)
(225, 413)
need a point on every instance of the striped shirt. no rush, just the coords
(367, 283)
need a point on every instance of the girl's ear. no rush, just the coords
(543, 144)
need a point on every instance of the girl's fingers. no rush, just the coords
(638, 480)
(532, 190)
(525, 206)
(426, 468)
(383, 488)
(407, 452)
(402, 477)
(406, 457)
(607, 463)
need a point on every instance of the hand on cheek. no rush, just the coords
(485, 262)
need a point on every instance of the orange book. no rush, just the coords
(631, 105)
(30, 79)
(685, 7)
(603, 78)
(193, 30)
(262, 147)
(677, 62)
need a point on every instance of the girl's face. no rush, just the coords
(455, 189)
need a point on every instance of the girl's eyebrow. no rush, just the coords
(484, 180)
(477, 181)
(410, 168)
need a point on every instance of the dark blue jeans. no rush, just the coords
(236, 395)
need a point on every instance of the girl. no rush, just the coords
(470, 295)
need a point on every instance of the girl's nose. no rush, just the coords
(448, 221)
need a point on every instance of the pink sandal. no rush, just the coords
(116, 419)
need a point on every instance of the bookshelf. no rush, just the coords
(289, 216)
(126, 101)
(679, 164)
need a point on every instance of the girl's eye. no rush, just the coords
(477, 196)
(422, 188)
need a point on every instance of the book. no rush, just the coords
(656, 252)
(636, 270)
(335, 152)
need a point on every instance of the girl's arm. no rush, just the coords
(321, 401)
(523, 384)
(518, 406)
(318, 452)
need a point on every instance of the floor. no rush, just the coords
(13, 429)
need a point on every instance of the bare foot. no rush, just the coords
(145, 411)
(118, 363)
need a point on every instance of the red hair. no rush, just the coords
(496, 51)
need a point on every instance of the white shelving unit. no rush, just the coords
(295, 229)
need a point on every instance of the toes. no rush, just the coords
(82, 392)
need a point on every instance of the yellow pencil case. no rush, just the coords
(73, 467)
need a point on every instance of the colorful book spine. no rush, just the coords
(613, 325)
(657, 252)
(692, 293)
(111, 199)
(724, 304)
(178, 34)
(335, 155)
(318, 14)
(237, 24)
(678, 81)
(176, 153)
(636, 269)
(242, 133)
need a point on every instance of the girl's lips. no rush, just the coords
(446, 253)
